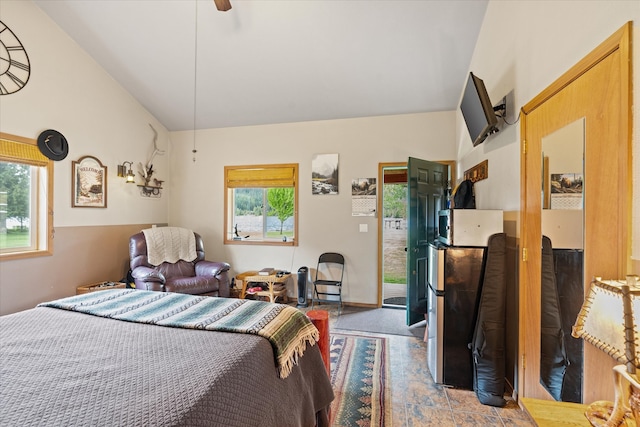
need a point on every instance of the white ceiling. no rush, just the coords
(278, 61)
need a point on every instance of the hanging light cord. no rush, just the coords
(195, 84)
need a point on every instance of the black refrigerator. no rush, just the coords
(453, 287)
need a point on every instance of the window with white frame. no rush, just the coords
(261, 204)
(26, 199)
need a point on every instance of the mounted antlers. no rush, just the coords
(146, 171)
(155, 148)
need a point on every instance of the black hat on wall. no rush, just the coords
(53, 144)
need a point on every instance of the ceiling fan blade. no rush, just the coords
(223, 5)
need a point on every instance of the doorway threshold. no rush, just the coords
(394, 306)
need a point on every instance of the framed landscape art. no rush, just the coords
(324, 174)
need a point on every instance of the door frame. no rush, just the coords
(381, 167)
(607, 213)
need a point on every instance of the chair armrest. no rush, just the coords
(147, 274)
(219, 270)
(211, 268)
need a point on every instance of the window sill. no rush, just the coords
(261, 242)
(24, 254)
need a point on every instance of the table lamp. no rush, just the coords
(607, 321)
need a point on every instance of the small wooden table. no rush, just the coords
(100, 286)
(253, 276)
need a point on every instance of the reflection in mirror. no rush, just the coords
(562, 167)
(561, 355)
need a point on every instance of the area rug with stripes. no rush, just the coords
(359, 375)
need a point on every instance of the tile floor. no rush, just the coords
(418, 401)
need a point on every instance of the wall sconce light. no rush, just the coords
(127, 172)
(609, 320)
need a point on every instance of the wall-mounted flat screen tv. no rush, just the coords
(477, 110)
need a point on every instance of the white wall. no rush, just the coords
(69, 92)
(325, 222)
(523, 47)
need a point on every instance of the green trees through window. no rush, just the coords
(261, 204)
(281, 204)
(15, 184)
(26, 199)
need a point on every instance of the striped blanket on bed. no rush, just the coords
(288, 330)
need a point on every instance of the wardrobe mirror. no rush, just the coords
(562, 292)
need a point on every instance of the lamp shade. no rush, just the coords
(601, 320)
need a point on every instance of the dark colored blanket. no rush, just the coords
(61, 367)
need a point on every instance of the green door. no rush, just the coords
(426, 187)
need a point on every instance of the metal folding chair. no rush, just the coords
(327, 288)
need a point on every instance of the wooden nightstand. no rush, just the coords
(100, 286)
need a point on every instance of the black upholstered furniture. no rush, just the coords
(196, 277)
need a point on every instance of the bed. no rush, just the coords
(63, 366)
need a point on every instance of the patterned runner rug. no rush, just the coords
(359, 375)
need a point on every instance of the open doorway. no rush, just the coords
(410, 196)
(393, 235)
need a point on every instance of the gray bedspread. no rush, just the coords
(66, 368)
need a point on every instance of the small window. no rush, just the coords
(261, 204)
(26, 199)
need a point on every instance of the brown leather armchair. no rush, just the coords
(198, 277)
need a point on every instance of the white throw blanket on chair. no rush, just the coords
(170, 244)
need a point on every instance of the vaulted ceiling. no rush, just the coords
(278, 61)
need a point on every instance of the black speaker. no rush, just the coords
(302, 286)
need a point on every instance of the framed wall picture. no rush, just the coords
(88, 183)
(566, 191)
(363, 197)
(324, 174)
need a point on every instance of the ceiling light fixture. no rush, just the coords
(223, 5)
(195, 81)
